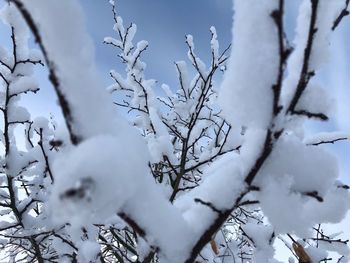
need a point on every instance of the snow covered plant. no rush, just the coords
(204, 173)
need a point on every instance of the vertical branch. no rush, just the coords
(306, 74)
(65, 106)
(46, 158)
(277, 16)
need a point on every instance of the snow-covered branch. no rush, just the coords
(201, 173)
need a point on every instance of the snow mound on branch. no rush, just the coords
(91, 107)
(246, 92)
(105, 175)
(95, 179)
(310, 168)
(217, 192)
(298, 187)
(320, 53)
(262, 236)
(9, 15)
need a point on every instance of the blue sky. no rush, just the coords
(164, 25)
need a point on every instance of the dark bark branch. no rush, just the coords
(311, 115)
(46, 158)
(344, 12)
(267, 149)
(306, 74)
(53, 77)
(277, 16)
(329, 141)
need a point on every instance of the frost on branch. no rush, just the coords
(187, 183)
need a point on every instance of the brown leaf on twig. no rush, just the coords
(301, 253)
(214, 247)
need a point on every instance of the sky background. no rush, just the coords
(164, 24)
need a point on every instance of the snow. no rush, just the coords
(174, 242)
(293, 170)
(182, 71)
(291, 212)
(120, 82)
(5, 56)
(281, 206)
(92, 115)
(113, 41)
(326, 15)
(160, 143)
(89, 251)
(10, 16)
(295, 61)
(196, 61)
(128, 39)
(222, 184)
(100, 161)
(214, 43)
(334, 207)
(316, 254)
(98, 165)
(167, 90)
(340, 248)
(310, 168)
(19, 114)
(107, 177)
(246, 91)
(23, 84)
(261, 236)
(316, 100)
